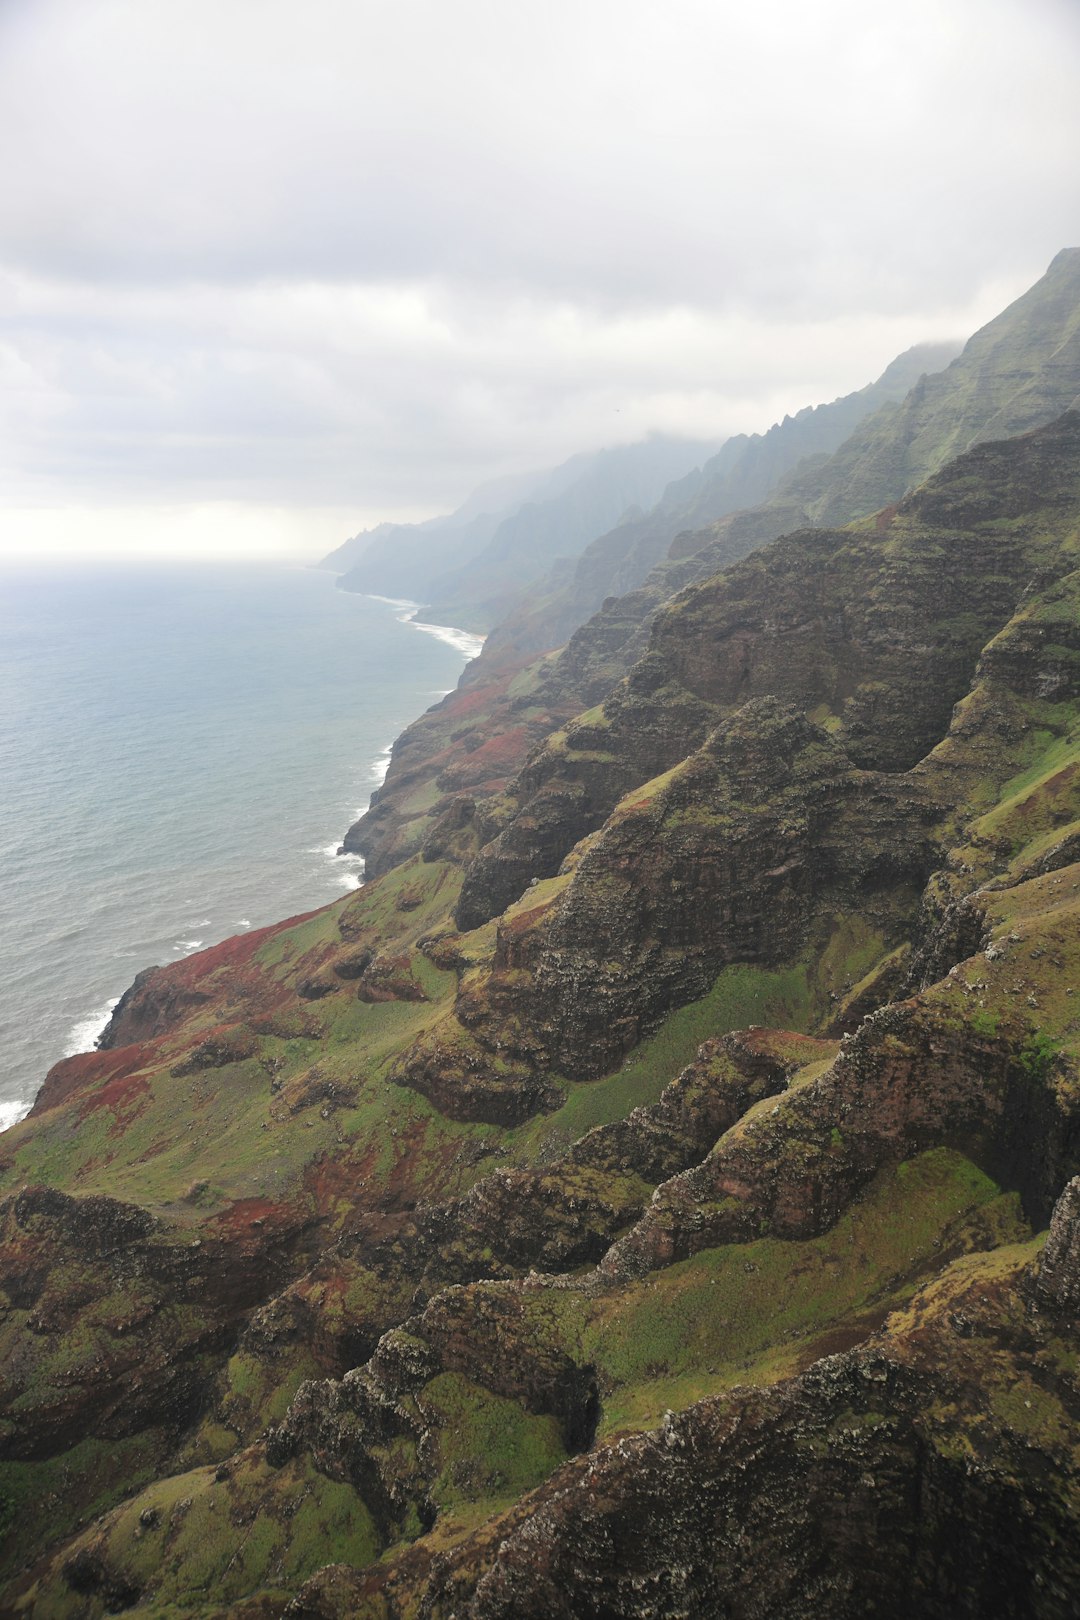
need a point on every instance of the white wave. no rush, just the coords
(187, 946)
(463, 640)
(242, 922)
(334, 852)
(394, 601)
(350, 871)
(83, 1036)
(350, 868)
(380, 766)
(11, 1112)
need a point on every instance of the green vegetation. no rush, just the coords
(284, 1108)
(741, 995)
(214, 1535)
(75, 1486)
(754, 1312)
(1037, 1054)
(489, 1448)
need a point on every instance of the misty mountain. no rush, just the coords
(471, 564)
(1019, 371)
(743, 472)
(396, 554)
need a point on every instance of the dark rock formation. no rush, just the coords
(383, 1242)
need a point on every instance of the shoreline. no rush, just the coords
(467, 642)
(85, 1032)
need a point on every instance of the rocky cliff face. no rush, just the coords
(743, 473)
(876, 637)
(1021, 370)
(665, 1204)
(1017, 372)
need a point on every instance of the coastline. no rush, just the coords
(467, 642)
(90, 1024)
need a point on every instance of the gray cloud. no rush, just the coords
(368, 253)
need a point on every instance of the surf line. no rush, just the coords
(465, 642)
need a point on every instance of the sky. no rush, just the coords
(272, 272)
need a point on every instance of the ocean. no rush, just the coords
(181, 751)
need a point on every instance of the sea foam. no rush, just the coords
(379, 768)
(83, 1036)
(462, 641)
(11, 1112)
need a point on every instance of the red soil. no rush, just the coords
(119, 1094)
(71, 1074)
(239, 1217)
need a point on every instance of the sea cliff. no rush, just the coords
(656, 1192)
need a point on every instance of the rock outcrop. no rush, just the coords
(1020, 371)
(635, 1204)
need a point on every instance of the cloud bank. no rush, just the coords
(359, 257)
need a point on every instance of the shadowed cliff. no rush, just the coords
(690, 1164)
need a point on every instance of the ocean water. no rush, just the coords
(181, 751)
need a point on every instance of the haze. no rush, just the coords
(271, 273)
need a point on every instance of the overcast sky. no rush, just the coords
(270, 272)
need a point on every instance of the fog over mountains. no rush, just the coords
(656, 1191)
(469, 567)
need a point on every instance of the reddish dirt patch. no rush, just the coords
(237, 951)
(511, 927)
(119, 1094)
(785, 1043)
(215, 981)
(71, 1074)
(1061, 780)
(242, 1215)
(334, 1180)
(475, 699)
(500, 754)
(419, 1169)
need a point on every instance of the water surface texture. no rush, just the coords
(181, 751)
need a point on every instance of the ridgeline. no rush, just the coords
(656, 1193)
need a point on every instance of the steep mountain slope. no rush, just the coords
(401, 557)
(1021, 369)
(831, 617)
(468, 573)
(1026, 359)
(743, 473)
(693, 1203)
(469, 566)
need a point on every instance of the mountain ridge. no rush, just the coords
(660, 1193)
(742, 473)
(488, 562)
(527, 696)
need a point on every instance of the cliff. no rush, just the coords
(744, 472)
(1021, 369)
(470, 569)
(658, 1197)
